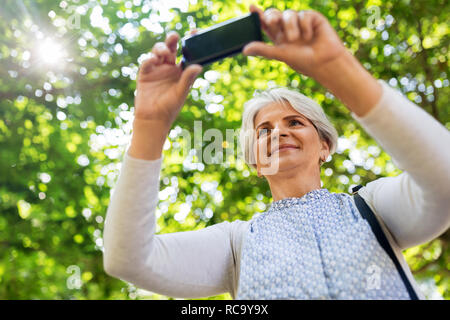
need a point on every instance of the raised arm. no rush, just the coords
(184, 264)
(307, 42)
(415, 205)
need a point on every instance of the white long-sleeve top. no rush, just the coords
(413, 208)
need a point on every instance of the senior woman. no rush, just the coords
(310, 243)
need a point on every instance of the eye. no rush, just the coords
(262, 131)
(295, 121)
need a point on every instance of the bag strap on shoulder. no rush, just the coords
(368, 214)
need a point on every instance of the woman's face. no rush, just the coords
(287, 138)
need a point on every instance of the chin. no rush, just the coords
(286, 164)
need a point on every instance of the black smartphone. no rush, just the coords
(221, 40)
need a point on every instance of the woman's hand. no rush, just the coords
(309, 44)
(304, 40)
(162, 86)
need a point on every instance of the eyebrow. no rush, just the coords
(285, 118)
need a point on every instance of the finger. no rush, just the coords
(191, 32)
(148, 64)
(254, 8)
(156, 60)
(160, 49)
(259, 48)
(306, 24)
(291, 25)
(187, 78)
(273, 19)
(172, 41)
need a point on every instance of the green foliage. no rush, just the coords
(66, 104)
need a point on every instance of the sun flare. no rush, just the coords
(50, 52)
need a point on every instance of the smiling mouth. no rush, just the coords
(283, 149)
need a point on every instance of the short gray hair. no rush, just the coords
(301, 103)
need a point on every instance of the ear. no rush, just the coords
(325, 149)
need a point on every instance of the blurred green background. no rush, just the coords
(68, 71)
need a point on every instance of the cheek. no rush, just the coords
(308, 138)
(261, 151)
(262, 145)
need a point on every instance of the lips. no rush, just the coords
(284, 146)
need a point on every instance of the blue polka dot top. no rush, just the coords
(315, 247)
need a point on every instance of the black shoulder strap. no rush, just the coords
(368, 214)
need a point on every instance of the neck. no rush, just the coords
(294, 182)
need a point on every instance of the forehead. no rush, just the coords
(274, 111)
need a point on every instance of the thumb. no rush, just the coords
(259, 48)
(188, 77)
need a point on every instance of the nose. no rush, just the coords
(277, 132)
